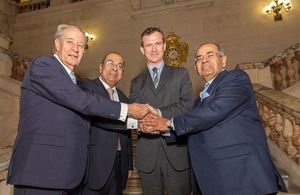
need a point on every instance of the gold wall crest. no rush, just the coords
(176, 52)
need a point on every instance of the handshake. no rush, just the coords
(148, 118)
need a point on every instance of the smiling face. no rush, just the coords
(70, 47)
(111, 70)
(208, 61)
(153, 48)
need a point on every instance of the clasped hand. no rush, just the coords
(152, 123)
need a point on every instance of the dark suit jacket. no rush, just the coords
(227, 142)
(104, 141)
(51, 147)
(173, 97)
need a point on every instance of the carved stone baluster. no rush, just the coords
(296, 142)
(290, 70)
(287, 134)
(279, 129)
(275, 69)
(271, 122)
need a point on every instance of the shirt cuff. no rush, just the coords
(159, 112)
(123, 112)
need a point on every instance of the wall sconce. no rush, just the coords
(90, 37)
(276, 7)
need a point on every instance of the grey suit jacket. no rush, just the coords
(173, 97)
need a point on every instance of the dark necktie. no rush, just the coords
(155, 76)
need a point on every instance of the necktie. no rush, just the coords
(155, 76)
(73, 77)
(111, 95)
(203, 93)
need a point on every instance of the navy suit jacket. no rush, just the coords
(104, 141)
(50, 150)
(227, 142)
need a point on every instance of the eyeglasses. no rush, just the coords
(210, 55)
(110, 63)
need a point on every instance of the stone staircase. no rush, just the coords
(134, 184)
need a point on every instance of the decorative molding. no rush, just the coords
(166, 5)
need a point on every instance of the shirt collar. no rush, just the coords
(106, 86)
(211, 80)
(160, 66)
(67, 69)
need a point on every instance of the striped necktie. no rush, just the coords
(155, 76)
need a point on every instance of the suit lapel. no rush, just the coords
(60, 66)
(215, 82)
(100, 88)
(164, 78)
(148, 80)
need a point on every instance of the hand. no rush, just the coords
(138, 111)
(143, 125)
(152, 123)
(153, 110)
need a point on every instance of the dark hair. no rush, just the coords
(149, 31)
(111, 52)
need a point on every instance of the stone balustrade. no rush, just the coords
(34, 5)
(280, 114)
(20, 65)
(284, 67)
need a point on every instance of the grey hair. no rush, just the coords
(219, 47)
(62, 27)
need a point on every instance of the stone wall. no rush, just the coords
(7, 15)
(239, 25)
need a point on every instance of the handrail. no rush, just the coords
(285, 67)
(280, 114)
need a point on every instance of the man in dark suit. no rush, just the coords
(162, 167)
(50, 150)
(110, 153)
(227, 142)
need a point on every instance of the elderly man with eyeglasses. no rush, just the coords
(226, 140)
(110, 156)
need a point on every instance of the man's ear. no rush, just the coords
(142, 50)
(165, 46)
(224, 60)
(100, 68)
(57, 43)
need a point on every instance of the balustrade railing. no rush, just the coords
(285, 67)
(280, 114)
(20, 65)
(34, 5)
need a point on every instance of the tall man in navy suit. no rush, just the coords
(227, 142)
(110, 154)
(162, 166)
(50, 150)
